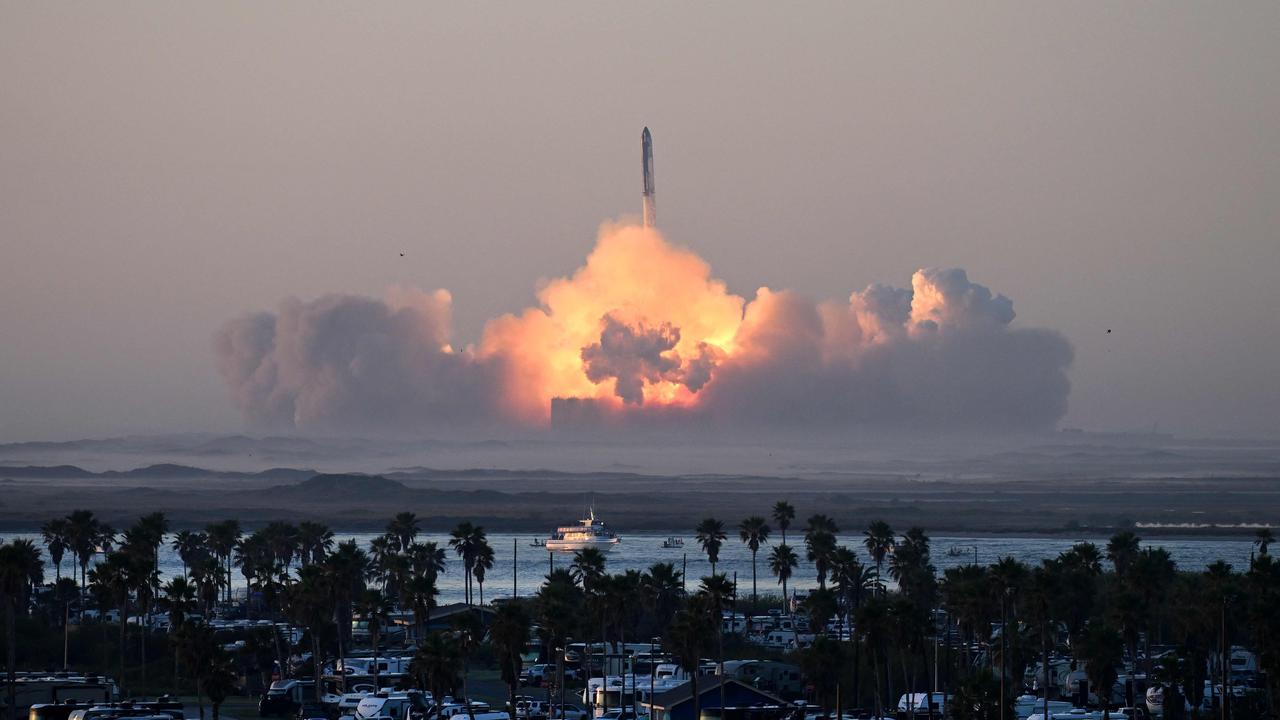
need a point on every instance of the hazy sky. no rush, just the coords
(167, 166)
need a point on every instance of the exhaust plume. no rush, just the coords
(643, 333)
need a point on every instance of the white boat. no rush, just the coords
(589, 532)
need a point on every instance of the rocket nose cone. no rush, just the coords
(645, 134)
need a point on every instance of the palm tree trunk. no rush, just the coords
(66, 634)
(315, 661)
(875, 671)
(373, 636)
(1044, 658)
(11, 654)
(142, 646)
(124, 623)
(697, 701)
(342, 656)
(753, 576)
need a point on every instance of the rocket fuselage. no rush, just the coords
(646, 161)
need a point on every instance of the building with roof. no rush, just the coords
(740, 700)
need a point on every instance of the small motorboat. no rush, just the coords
(673, 542)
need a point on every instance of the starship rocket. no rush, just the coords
(646, 160)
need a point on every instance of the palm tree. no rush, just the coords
(346, 570)
(1121, 549)
(465, 541)
(662, 587)
(374, 608)
(509, 633)
(402, 530)
(152, 528)
(57, 538)
(482, 564)
(66, 593)
(783, 514)
(427, 559)
(878, 540)
(820, 546)
(850, 578)
(718, 588)
(179, 600)
(754, 531)
(1102, 651)
(315, 540)
(395, 571)
(17, 566)
(308, 601)
(558, 606)
(689, 638)
(872, 625)
(978, 698)
(1151, 573)
(436, 665)
(84, 534)
(1042, 591)
(219, 681)
(223, 539)
(822, 663)
(911, 569)
(380, 553)
(782, 562)
(419, 593)
(207, 577)
(189, 545)
(468, 630)
(820, 607)
(1262, 539)
(197, 649)
(588, 568)
(282, 543)
(711, 536)
(116, 577)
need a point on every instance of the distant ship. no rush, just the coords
(589, 532)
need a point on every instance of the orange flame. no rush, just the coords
(635, 276)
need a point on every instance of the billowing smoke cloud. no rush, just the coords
(643, 332)
(632, 356)
(342, 361)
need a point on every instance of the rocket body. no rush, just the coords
(646, 161)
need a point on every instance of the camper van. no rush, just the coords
(407, 705)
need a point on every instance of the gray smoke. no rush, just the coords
(341, 362)
(631, 354)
